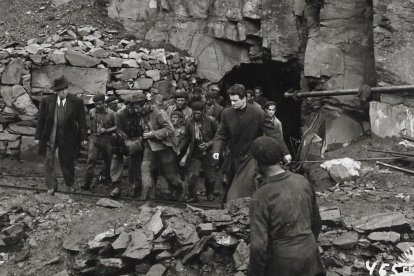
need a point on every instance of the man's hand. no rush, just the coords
(36, 142)
(183, 161)
(216, 156)
(148, 135)
(203, 146)
(287, 158)
(84, 142)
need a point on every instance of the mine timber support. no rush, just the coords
(345, 92)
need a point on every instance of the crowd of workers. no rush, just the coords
(194, 136)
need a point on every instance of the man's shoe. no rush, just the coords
(69, 189)
(85, 187)
(115, 193)
(210, 197)
(51, 191)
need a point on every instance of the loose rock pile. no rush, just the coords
(93, 63)
(167, 239)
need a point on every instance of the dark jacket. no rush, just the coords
(215, 111)
(239, 128)
(74, 131)
(284, 220)
(209, 126)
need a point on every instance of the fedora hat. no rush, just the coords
(60, 83)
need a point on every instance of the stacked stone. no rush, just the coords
(92, 63)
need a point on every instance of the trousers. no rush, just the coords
(67, 166)
(168, 167)
(98, 145)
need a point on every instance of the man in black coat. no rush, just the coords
(240, 125)
(61, 125)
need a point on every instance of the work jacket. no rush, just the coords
(284, 222)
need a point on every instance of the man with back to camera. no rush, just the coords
(240, 125)
(61, 125)
(284, 219)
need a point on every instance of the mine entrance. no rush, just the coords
(275, 78)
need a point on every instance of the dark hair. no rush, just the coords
(211, 95)
(99, 97)
(250, 92)
(181, 95)
(177, 113)
(199, 106)
(257, 87)
(198, 90)
(237, 89)
(266, 150)
(269, 103)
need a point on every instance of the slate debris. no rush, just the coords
(93, 67)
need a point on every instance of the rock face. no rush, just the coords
(393, 42)
(389, 120)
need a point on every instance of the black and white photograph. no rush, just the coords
(206, 137)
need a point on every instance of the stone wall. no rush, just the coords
(92, 64)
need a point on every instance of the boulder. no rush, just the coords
(347, 240)
(128, 73)
(252, 9)
(57, 57)
(143, 83)
(386, 237)
(122, 242)
(24, 105)
(131, 63)
(153, 74)
(185, 233)
(389, 120)
(224, 239)
(140, 245)
(155, 224)
(344, 169)
(34, 49)
(13, 72)
(21, 130)
(8, 137)
(330, 216)
(156, 270)
(11, 93)
(81, 60)
(113, 62)
(241, 256)
(382, 221)
(109, 203)
(111, 266)
(405, 246)
(90, 81)
(99, 52)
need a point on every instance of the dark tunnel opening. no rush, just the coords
(275, 78)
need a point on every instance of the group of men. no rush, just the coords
(182, 141)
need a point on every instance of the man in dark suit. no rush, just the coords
(61, 125)
(240, 125)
